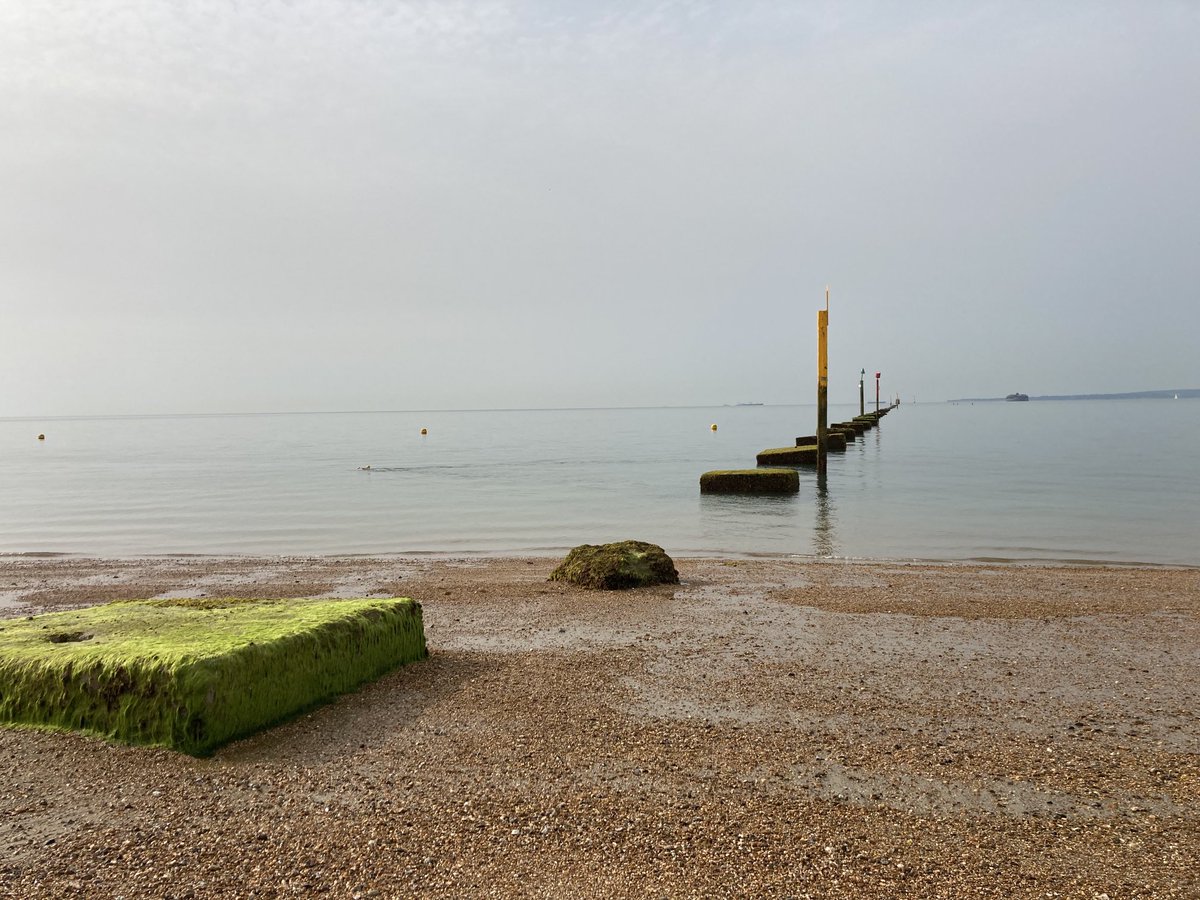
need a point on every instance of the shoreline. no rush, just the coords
(558, 553)
(770, 727)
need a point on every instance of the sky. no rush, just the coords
(258, 205)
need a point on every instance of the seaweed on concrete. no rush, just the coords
(193, 674)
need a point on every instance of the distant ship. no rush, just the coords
(1017, 397)
(747, 404)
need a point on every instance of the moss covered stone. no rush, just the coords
(789, 456)
(614, 567)
(194, 674)
(750, 481)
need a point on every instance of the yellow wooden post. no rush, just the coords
(822, 382)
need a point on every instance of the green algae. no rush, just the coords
(617, 566)
(194, 674)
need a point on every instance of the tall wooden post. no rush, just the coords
(822, 383)
(862, 400)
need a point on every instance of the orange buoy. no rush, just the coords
(714, 427)
(424, 431)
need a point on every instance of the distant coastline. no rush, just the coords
(1181, 393)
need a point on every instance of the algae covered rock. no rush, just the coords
(614, 567)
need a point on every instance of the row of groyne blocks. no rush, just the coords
(771, 476)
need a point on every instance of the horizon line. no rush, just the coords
(347, 412)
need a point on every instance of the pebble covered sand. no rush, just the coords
(769, 728)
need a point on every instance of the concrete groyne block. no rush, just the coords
(835, 441)
(750, 481)
(193, 674)
(789, 456)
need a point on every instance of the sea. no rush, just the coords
(1095, 481)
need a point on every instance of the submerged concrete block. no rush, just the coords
(789, 456)
(750, 481)
(835, 441)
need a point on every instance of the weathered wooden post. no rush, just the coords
(822, 383)
(862, 403)
(876, 392)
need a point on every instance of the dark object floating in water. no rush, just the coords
(613, 567)
(1017, 397)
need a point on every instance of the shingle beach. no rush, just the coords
(768, 728)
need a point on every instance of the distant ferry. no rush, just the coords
(1017, 397)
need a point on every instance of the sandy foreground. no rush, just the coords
(770, 728)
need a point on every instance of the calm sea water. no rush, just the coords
(1115, 481)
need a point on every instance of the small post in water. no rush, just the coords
(862, 403)
(822, 382)
(876, 392)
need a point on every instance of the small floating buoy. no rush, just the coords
(714, 427)
(424, 431)
(41, 437)
(364, 468)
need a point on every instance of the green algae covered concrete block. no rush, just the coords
(194, 674)
(859, 427)
(789, 456)
(750, 481)
(617, 566)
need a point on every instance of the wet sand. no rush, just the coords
(770, 728)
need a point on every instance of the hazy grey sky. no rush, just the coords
(346, 204)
